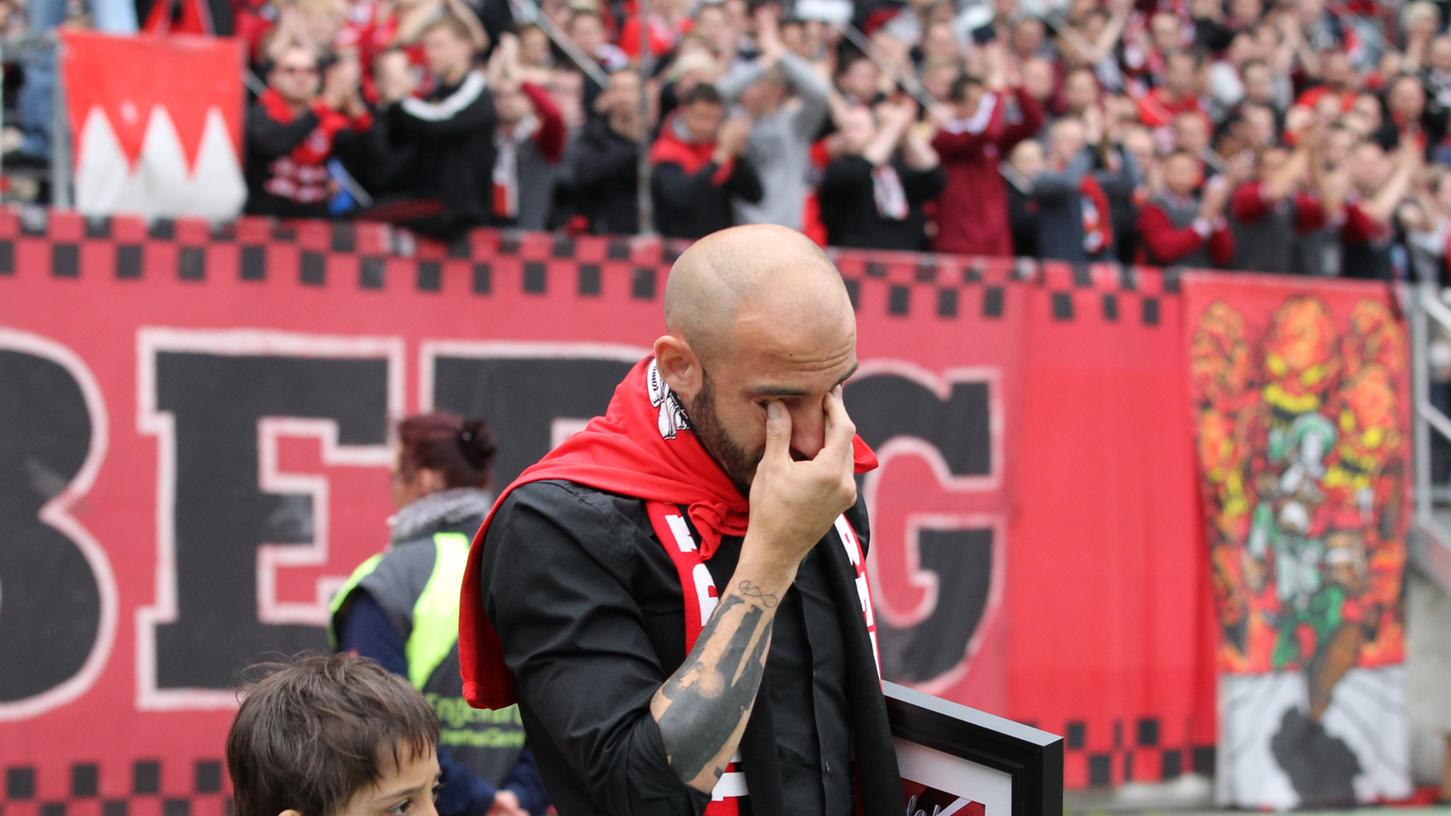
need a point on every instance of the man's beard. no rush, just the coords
(737, 464)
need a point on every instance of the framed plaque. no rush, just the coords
(958, 761)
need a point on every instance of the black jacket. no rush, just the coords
(606, 172)
(277, 184)
(849, 206)
(588, 607)
(446, 144)
(691, 200)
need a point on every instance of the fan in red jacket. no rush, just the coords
(973, 207)
(701, 167)
(1178, 228)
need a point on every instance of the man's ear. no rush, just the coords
(679, 366)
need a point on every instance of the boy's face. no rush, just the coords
(403, 790)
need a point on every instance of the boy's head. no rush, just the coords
(333, 736)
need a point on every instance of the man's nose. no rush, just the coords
(808, 432)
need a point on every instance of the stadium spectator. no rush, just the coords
(700, 167)
(1376, 187)
(714, 29)
(1080, 92)
(783, 126)
(973, 208)
(874, 192)
(444, 140)
(1183, 227)
(1426, 219)
(859, 80)
(1075, 222)
(605, 161)
(587, 30)
(295, 128)
(1271, 212)
(536, 54)
(1407, 115)
(529, 137)
(567, 90)
(1179, 93)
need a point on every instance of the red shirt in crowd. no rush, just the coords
(973, 208)
(1157, 108)
(1249, 204)
(1164, 243)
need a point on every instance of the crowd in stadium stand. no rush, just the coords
(1302, 136)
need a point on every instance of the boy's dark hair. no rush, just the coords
(314, 731)
(704, 92)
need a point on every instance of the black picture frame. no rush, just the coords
(1032, 758)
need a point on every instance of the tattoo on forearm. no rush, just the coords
(750, 590)
(711, 694)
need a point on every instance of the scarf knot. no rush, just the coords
(714, 520)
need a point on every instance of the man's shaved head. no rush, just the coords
(759, 272)
(755, 314)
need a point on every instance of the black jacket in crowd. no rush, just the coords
(849, 206)
(693, 194)
(279, 184)
(606, 172)
(444, 152)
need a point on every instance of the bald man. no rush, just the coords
(677, 597)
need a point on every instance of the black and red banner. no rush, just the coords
(194, 440)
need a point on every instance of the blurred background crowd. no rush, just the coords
(1298, 136)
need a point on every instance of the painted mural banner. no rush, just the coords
(1302, 415)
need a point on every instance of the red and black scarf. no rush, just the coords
(643, 447)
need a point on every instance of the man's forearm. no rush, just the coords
(703, 707)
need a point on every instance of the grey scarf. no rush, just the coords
(440, 511)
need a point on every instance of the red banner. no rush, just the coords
(1302, 414)
(203, 444)
(157, 124)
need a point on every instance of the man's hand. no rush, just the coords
(768, 35)
(703, 707)
(1216, 198)
(732, 139)
(394, 76)
(504, 63)
(794, 503)
(341, 84)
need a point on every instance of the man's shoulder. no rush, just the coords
(563, 490)
(575, 509)
(554, 524)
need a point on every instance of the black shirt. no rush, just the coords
(606, 171)
(588, 608)
(849, 205)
